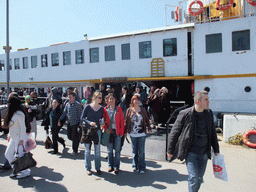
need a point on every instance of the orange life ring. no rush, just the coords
(224, 7)
(199, 11)
(245, 136)
(177, 14)
(251, 2)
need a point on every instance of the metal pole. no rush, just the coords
(7, 48)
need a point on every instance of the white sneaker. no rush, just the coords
(142, 172)
(23, 175)
(12, 175)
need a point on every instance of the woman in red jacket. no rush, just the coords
(117, 131)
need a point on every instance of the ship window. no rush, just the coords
(80, 56)
(213, 43)
(145, 49)
(25, 62)
(94, 55)
(44, 60)
(110, 53)
(125, 48)
(55, 59)
(241, 40)
(1, 65)
(67, 58)
(207, 89)
(170, 47)
(33, 61)
(247, 89)
(17, 63)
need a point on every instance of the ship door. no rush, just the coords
(190, 70)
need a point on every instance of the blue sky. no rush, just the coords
(39, 23)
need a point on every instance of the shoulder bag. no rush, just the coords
(48, 142)
(105, 136)
(24, 162)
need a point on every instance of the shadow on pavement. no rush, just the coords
(43, 183)
(40, 178)
(46, 175)
(149, 163)
(150, 178)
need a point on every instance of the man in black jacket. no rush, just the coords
(192, 137)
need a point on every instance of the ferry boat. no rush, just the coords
(211, 47)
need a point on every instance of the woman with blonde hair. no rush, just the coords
(91, 116)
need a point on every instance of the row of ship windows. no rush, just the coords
(240, 42)
(145, 51)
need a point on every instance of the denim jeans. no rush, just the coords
(138, 153)
(114, 162)
(196, 165)
(88, 165)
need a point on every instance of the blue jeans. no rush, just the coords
(87, 154)
(114, 162)
(196, 165)
(138, 153)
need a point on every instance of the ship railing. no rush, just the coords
(210, 13)
(171, 119)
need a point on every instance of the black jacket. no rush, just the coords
(32, 114)
(55, 118)
(183, 132)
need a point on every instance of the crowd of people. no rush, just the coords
(119, 115)
(86, 118)
(101, 110)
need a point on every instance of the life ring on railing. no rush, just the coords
(224, 7)
(251, 2)
(177, 14)
(199, 11)
(245, 140)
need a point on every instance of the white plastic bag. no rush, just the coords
(30, 143)
(219, 169)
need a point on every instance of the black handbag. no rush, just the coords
(48, 143)
(24, 162)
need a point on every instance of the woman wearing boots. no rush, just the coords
(51, 118)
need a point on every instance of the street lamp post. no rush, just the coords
(7, 48)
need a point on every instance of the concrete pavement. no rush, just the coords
(63, 172)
